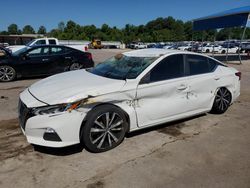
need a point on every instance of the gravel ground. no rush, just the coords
(204, 151)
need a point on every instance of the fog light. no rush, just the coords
(51, 135)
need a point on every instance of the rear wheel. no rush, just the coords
(223, 51)
(75, 66)
(105, 129)
(207, 51)
(7, 73)
(222, 101)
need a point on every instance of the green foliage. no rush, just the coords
(28, 29)
(42, 30)
(13, 29)
(158, 30)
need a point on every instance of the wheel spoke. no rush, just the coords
(102, 140)
(96, 140)
(116, 129)
(225, 100)
(116, 124)
(109, 139)
(112, 118)
(113, 136)
(95, 130)
(99, 124)
(107, 119)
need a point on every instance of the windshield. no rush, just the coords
(122, 67)
(20, 51)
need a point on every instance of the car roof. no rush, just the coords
(152, 52)
(156, 52)
(48, 45)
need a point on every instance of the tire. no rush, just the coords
(222, 101)
(207, 51)
(75, 66)
(7, 73)
(98, 135)
(223, 51)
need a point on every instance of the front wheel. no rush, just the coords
(104, 129)
(7, 73)
(222, 101)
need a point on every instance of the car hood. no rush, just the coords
(72, 86)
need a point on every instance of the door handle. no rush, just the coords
(67, 57)
(182, 87)
(45, 60)
(216, 78)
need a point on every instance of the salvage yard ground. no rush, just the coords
(204, 151)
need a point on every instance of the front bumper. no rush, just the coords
(66, 125)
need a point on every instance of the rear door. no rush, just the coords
(163, 94)
(202, 79)
(59, 60)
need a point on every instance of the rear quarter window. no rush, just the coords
(51, 41)
(197, 64)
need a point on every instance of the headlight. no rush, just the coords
(53, 109)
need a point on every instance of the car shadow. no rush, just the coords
(64, 151)
(70, 150)
(174, 124)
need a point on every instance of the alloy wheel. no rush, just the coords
(223, 99)
(6, 73)
(75, 66)
(107, 130)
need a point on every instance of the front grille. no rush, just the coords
(24, 113)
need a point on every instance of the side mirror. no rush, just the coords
(145, 79)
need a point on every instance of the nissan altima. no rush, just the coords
(42, 60)
(130, 91)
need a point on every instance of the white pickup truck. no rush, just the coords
(138, 45)
(47, 41)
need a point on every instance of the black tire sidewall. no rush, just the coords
(85, 134)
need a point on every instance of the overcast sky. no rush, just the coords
(112, 12)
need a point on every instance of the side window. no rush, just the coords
(52, 41)
(68, 50)
(169, 68)
(212, 64)
(197, 64)
(38, 52)
(40, 42)
(56, 50)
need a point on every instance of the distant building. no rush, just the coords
(18, 39)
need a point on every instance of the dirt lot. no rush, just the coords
(204, 151)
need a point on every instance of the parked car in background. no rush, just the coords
(230, 49)
(245, 46)
(137, 45)
(130, 91)
(210, 48)
(42, 60)
(46, 41)
(186, 47)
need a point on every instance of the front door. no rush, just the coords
(36, 62)
(163, 95)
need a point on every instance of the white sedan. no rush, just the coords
(130, 91)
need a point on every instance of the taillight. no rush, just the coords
(238, 74)
(89, 55)
(86, 48)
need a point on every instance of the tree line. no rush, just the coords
(158, 30)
